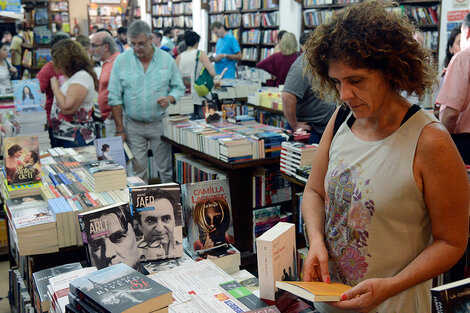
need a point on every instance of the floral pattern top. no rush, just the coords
(376, 220)
(66, 127)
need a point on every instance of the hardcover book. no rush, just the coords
(41, 279)
(276, 254)
(208, 215)
(451, 298)
(120, 288)
(28, 96)
(110, 148)
(158, 223)
(314, 291)
(108, 236)
(22, 164)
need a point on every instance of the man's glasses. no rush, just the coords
(94, 45)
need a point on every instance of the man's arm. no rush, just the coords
(116, 111)
(289, 106)
(237, 56)
(115, 98)
(449, 118)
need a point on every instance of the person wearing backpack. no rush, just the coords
(191, 64)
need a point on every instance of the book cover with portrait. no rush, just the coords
(108, 236)
(120, 288)
(110, 148)
(28, 96)
(21, 160)
(158, 223)
(208, 215)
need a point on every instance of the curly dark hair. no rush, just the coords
(369, 35)
(70, 56)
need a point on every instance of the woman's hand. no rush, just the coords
(54, 83)
(13, 70)
(316, 264)
(365, 296)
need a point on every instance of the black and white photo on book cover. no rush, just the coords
(158, 221)
(109, 236)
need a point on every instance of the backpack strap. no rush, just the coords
(195, 67)
(343, 112)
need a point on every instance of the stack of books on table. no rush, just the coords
(297, 158)
(118, 288)
(184, 105)
(32, 225)
(105, 175)
(236, 88)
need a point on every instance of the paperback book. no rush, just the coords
(108, 236)
(452, 298)
(22, 164)
(314, 291)
(110, 148)
(28, 96)
(158, 223)
(120, 288)
(208, 215)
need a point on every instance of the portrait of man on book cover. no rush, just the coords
(160, 223)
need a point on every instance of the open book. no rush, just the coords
(314, 291)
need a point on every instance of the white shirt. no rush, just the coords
(4, 77)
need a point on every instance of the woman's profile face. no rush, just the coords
(456, 45)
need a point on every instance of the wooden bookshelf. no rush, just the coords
(169, 13)
(59, 14)
(109, 15)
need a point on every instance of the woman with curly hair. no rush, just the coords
(72, 109)
(386, 203)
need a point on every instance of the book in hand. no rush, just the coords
(451, 298)
(120, 288)
(108, 236)
(314, 291)
(158, 222)
(110, 148)
(208, 215)
(21, 157)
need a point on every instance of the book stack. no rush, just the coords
(118, 288)
(296, 157)
(20, 300)
(58, 288)
(272, 142)
(184, 105)
(32, 226)
(235, 149)
(42, 301)
(105, 175)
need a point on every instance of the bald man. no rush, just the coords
(104, 49)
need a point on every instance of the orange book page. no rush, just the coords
(320, 288)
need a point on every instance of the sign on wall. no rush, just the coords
(10, 5)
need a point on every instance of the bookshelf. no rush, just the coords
(255, 24)
(424, 13)
(172, 13)
(105, 15)
(59, 14)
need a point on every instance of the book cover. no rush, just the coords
(110, 148)
(28, 96)
(276, 256)
(41, 16)
(103, 166)
(41, 279)
(21, 157)
(314, 291)
(451, 298)
(158, 223)
(211, 115)
(120, 288)
(108, 236)
(208, 214)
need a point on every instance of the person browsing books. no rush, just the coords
(71, 114)
(186, 62)
(302, 109)
(119, 245)
(6, 69)
(227, 51)
(104, 49)
(386, 203)
(453, 97)
(157, 222)
(279, 63)
(144, 82)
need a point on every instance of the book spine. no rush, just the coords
(437, 303)
(83, 297)
(81, 223)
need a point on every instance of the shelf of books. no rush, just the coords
(253, 22)
(59, 14)
(109, 16)
(168, 13)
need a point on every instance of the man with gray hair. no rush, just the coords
(103, 49)
(144, 82)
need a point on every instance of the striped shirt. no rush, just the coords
(137, 91)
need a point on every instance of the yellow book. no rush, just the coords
(314, 291)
